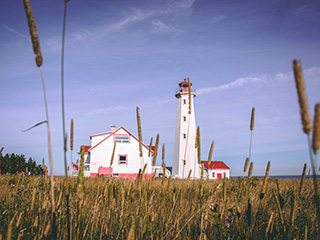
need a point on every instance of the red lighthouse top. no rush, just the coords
(183, 86)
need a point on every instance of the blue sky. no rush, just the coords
(123, 54)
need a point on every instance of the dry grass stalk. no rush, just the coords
(279, 207)
(189, 95)
(113, 151)
(246, 164)
(139, 132)
(132, 230)
(39, 60)
(265, 181)
(250, 170)
(150, 146)
(202, 169)
(1, 150)
(155, 154)
(144, 170)
(163, 171)
(269, 223)
(252, 119)
(302, 178)
(189, 175)
(210, 153)
(316, 129)
(302, 97)
(33, 197)
(199, 146)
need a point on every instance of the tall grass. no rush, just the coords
(105, 208)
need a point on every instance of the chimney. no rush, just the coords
(113, 128)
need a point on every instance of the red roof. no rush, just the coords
(86, 148)
(215, 165)
(114, 132)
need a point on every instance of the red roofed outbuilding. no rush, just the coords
(216, 169)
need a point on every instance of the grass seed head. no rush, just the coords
(33, 32)
(1, 150)
(150, 146)
(155, 154)
(246, 164)
(316, 129)
(139, 132)
(250, 170)
(189, 94)
(302, 178)
(265, 181)
(199, 146)
(163, 152)
(71, 135)
(113, 151)
(252, 119)
(304, 112)
(210, 152)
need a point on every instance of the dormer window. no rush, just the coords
(121, 138)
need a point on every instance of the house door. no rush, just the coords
(219, 175)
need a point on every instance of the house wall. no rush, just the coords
(216, 171)
(100, 156)
(96, 139)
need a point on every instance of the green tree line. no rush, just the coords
(15, 164)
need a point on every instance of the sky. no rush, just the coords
(127, 53)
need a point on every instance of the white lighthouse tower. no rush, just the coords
(185, 156)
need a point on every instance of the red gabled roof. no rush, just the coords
(100, 134)
(215, 165)
(91, 148)
(86, 148)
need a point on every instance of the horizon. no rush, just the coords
(119, 55)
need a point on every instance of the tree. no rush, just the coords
(15, 163)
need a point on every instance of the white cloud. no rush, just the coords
(16, 33)
(217, 19)
(235, 84)
(312, 71)
(106, 110)
(160, 28)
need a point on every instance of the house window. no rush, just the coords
(184, 136)
(115, 174)
(121, 138)
(224, 175)
(86, 168)
(213, 175)
(87, 160)
(184, 101)
(123, 160)
(184, 118)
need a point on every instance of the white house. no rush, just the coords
(216, 169)
(127, 161)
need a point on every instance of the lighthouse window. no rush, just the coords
(184, 101)
(184, 136)
(184, 118)
(185, 85)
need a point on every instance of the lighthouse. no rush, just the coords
(185, 151)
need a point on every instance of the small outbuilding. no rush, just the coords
(216, 169)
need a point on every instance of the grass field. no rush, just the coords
(104, 208)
